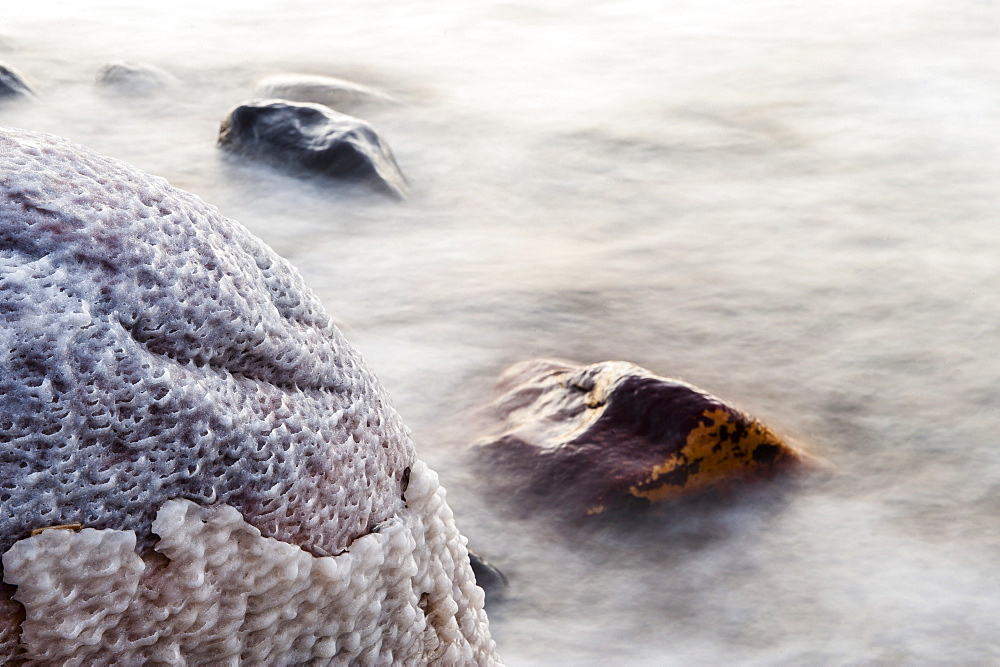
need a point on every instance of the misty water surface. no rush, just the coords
(792, 205)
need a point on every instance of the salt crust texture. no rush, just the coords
(230, 596)
(151, 350)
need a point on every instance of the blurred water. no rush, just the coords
(793, 206)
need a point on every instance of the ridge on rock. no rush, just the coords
(154, 350)
(582, 440)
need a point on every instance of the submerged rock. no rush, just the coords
(488, 576)
(171, 386)
(131, 78)
(333, 92)
(12, 83)
(312, 137)
(582, 440)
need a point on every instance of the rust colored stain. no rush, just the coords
(612, 436)
(62, 526)
(720, 447)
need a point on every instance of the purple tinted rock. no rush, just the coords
(172, 397)
(154, 349)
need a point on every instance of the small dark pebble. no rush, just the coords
(12, 84)
(488, 577)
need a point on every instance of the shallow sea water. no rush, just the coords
(793, 206)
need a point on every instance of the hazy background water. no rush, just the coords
(793, 205)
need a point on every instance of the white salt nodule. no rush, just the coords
(230, 596)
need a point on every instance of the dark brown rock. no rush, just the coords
(582, 440)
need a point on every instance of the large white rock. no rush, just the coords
(153, 350)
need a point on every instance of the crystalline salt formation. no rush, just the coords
(170, 383)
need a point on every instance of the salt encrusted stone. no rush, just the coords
(154, 349)
(230, 596)
(75, 586)
(151, 350)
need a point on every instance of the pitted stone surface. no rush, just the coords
(152, 349)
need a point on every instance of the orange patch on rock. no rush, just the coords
(722, 447)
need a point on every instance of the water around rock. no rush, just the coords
(133, 78)
(335, 93)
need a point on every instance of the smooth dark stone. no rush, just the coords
(488, 576)
(312, 137)
(12, 83)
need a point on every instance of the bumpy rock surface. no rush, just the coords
(153, 350)
(312, 137)
(333, 92)
(227, 595)
(587, 439)
(131, 78)
(12, 83)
